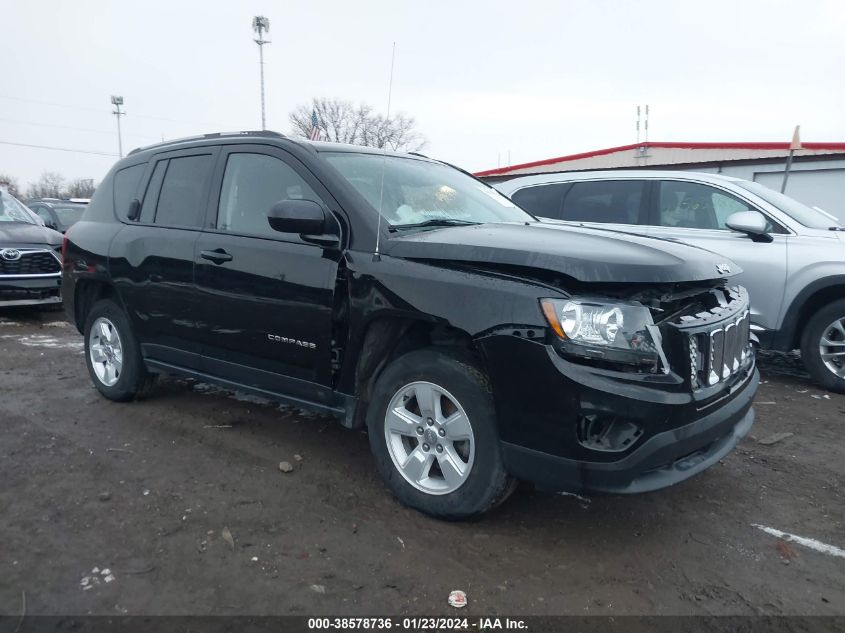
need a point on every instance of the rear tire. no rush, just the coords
(112, 354)
(432, 410)
(823, 346)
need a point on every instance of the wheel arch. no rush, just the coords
(388, 337)
(811, 299)
(86, 294)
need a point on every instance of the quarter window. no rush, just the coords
(183, 190)
(605, 201)
(126, 186)
(542, 200)
(252, 184)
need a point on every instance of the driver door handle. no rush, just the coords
(218, 256)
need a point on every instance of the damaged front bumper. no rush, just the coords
(568, 426)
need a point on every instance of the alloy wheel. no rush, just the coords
(832, 347)
(429, 438)
(105, 351)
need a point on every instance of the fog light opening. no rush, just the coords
(607, 433)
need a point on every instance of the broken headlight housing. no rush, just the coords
(607, 331)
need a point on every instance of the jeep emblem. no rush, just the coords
(10, 254)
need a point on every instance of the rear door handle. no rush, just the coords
(218, 256)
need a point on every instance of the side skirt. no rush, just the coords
(343, 411)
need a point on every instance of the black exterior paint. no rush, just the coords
(215, 317)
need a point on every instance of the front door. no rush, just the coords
(695, 213)
(265, 298)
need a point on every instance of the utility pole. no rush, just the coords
(260, 24)
(795, 144)
(117, 102)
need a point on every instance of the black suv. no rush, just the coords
(476, 344)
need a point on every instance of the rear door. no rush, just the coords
(154, 266)
(265, 299)
(696, 213)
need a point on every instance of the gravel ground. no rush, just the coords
(177, 505)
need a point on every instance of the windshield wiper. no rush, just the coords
(433, 222)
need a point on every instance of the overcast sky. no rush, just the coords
(483, 79)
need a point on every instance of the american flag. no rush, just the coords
(315, 127)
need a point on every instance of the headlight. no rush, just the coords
(605, 330)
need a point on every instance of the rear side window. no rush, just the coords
(606, 201)
(543, 201)
(126, 187)
(181, 201)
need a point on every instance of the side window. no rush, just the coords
(126, 187)
(148, 207)
(696, 206)
(252, 184)
(607, 201)
(542, 200)
(44, 214)
(183, 191)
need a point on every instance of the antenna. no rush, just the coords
(638, 125)
(376, 254)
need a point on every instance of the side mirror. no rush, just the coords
(297, 216)
(752, 223)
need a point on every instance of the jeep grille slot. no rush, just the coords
(721, 352)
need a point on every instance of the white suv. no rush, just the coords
(792, 255)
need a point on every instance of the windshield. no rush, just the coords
(417, 192)
(13, 211)
(69, 215)
(798, 211)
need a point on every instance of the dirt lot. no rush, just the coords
(148, 490)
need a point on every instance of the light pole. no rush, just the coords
(260, 24)
(117, 102)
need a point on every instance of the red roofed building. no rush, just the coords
(817, 176)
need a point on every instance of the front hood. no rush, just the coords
(19, 234)
(589, 255)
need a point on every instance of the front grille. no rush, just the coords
(720, 353)
(31, 262)
(718, 340)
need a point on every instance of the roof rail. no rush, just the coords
(200, 137)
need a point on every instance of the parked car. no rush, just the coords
(792, 255)
(30, 268)
(58, 214)
(476, 344)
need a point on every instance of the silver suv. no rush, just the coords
(792, 255)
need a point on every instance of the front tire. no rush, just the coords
(432, 431)
(112, 354)
(823, 346)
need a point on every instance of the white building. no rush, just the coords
(817, 176)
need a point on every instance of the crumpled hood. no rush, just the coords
(20, 234)
(585, 254)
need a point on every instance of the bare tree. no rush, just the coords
(10, 184)
(50, 185)
(342, 121)
(79, 188)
